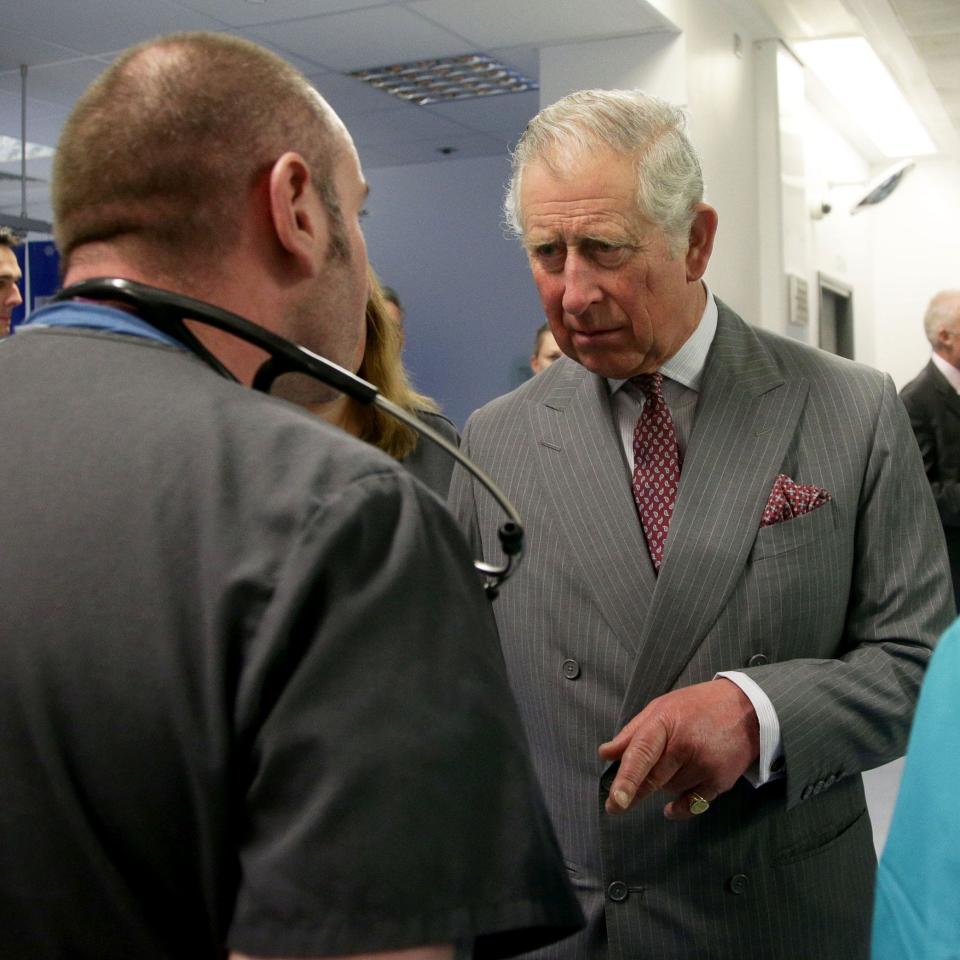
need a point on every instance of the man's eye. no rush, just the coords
(608, 254)
(549, 254)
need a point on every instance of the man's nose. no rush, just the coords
(14, 298)
(580, 288)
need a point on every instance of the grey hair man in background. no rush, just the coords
(932, 399)
(721, 621)
(253, 701)
(10, 277)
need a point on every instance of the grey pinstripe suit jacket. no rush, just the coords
(832, 613)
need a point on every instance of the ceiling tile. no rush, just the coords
(406, 124)
(93, 26)
(501, 23)
(18, 47)
(58, 83)
(940, 46)
(928, 16)
(364, 38)
(526, 60)
(503, 117)
(242, 13)
(351, 97)
(403, 154)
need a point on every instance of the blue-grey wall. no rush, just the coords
(434, 232)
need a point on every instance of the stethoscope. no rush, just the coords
(166, 311)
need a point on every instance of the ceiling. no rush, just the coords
(67, 43)
(933, 29)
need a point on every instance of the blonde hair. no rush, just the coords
(383, 367)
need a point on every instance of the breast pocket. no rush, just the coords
(790, 535)
(797, 583)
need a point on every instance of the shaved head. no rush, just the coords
(159, 154)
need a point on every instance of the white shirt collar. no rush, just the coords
(948, 370)
(687, 364)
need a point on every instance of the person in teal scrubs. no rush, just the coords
(917, 910)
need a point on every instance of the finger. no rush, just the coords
(693, 803)
(612, 749)
(639, 759)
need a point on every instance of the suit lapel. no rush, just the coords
(588, 487)
(950, 397)
(747, 414)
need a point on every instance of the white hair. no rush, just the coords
(942, 313)
(631, 123)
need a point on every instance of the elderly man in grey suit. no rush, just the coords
(735, 571)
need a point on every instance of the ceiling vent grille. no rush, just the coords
(452, 78)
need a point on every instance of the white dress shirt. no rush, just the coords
(682, 375)
(948, 370)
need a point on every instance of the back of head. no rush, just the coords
(627, 122)
(159, 153)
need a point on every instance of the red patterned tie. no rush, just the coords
(656, 465)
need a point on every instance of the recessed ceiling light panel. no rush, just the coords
(854, 74)
(11, 149)
(451, 78)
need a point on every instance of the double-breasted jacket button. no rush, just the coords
(757, 660)
(738, 883)
(618, 891)
(571, 669)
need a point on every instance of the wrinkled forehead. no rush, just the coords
(598, 186)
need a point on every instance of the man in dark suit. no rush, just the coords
(933, 403)
(735, 568)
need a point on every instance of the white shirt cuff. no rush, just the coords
(769, 765)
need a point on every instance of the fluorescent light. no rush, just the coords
(10, 150)
(854, 75)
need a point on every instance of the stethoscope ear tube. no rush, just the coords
(166, 311)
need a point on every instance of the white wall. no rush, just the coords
(916, 253)
(842, 244)
(723, 129)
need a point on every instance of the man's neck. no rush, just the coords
(340, 411)
(239, 357)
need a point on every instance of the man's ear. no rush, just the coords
(702, 231)
(299, 219)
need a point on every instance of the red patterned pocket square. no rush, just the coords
(789, 499)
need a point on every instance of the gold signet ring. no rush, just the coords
(696, 804)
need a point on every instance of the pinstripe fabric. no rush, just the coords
(844, 603)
